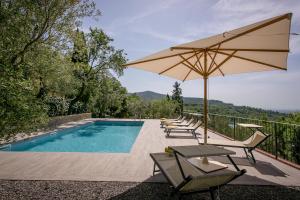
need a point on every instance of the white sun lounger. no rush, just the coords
(187, 123)
(249, 144)
(192, 128)
(165, 122)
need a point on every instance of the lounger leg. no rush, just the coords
(168, 132)
(252, 156)
(194, 134)
(154, 170)
(233, 163)
(212, 194)
(246, 153)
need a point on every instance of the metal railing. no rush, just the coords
(284, 140)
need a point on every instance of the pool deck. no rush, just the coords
(135, 166)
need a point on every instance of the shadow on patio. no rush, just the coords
(147, 190)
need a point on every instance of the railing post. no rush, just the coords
(234, 128)
(276, 141)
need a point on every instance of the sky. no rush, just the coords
(143, 27)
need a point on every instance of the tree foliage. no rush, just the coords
(34, 37)
(48, 67)
(177, 97)
(138, 108)
(94, 58)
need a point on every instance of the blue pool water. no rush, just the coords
(100, 136)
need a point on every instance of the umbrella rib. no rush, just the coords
(199, 63)
(159, 58)
(255, 61)
(232, 49)
(191, 65)
(187, 48)
(225, 60)
(195, 64)
(195, 70)
(289, 15)
(213, 59)
(173, 66)
(216, 65)
(187, 75)
(221, 72)
(260, 50)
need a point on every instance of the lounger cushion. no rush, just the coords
(179, 127)
(207, 181)
(170, 168)
(255, 139)
(223, 142)
(184, 128)
(200, 180)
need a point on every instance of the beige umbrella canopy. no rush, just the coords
(262, 46)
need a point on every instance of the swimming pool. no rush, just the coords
(99, 136)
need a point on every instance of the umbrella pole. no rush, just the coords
(205, 160)
(205, 110)
(205, 97)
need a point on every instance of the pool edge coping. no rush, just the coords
(64, 126)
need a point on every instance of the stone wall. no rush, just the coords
(56, 121)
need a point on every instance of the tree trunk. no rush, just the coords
(42, 91)
(77, 98)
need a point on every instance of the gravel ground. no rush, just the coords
(128, 190)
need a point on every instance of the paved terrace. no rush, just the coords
(135, 166)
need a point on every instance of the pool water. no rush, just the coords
(99, 136)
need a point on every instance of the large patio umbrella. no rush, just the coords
(262, 46)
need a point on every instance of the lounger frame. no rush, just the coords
(193, 131)
(247, 150)
(187, 179)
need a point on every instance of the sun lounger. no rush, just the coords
(180, 117)
(185, 123)
(193, 180)
(248, 145)
(188, 123)
(177, 121)
(165, 122)
(191, 128)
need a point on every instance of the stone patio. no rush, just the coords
(135, 166)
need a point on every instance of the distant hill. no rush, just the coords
(219, 107)
(149, 96)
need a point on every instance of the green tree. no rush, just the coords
(29, 31)
(109, 99)
(168, 97)
(177, 97)
(27, 24)
(93, 58)
(136, 106)
(19, 109)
